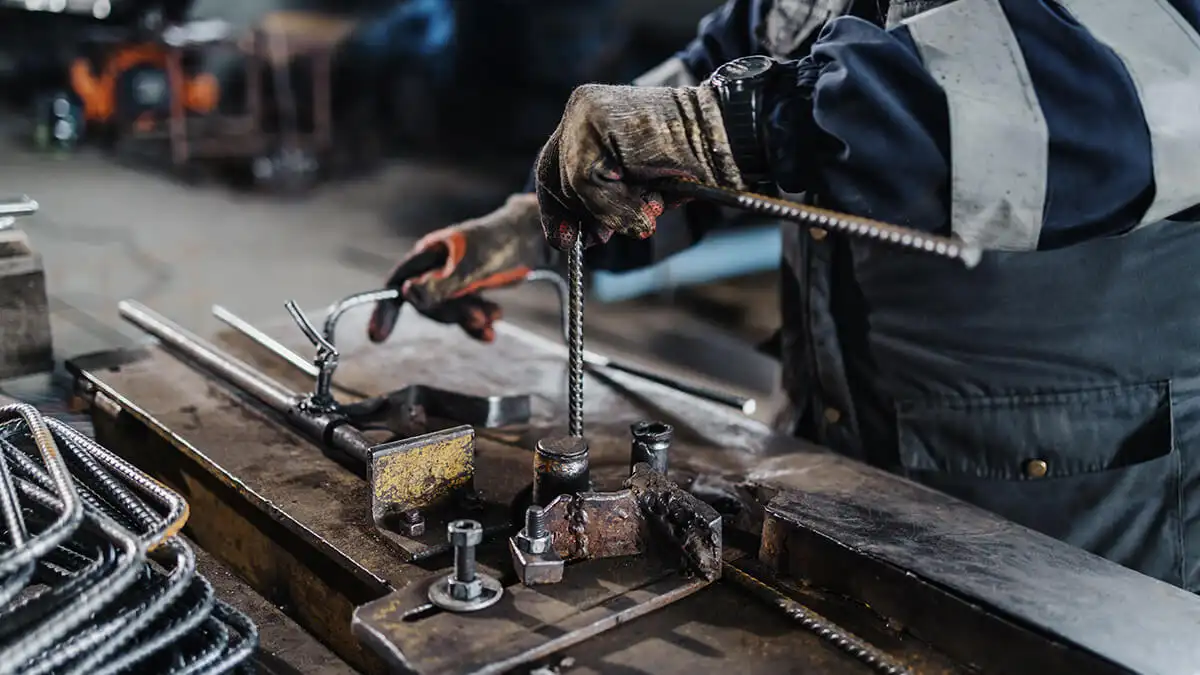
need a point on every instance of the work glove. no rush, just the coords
(594, 174)
(495, 250)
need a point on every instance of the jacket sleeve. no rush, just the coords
(728, 33)
(860, 124)
(723, 35)
(734, 30)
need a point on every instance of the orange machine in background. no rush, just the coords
(276, 114)
(98, 90)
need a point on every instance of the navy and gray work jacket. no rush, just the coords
(1057, 383)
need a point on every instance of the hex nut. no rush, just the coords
(534, 569)
(491, 590)
(416, 529)
(462, 533)
(535, 545)
(464, 590)
(411, 523)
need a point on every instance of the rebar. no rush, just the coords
(575, 338)
(77, 594)
(854, 226)
(592, 360)
(868, 654)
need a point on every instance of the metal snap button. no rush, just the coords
(817, 233)
(832, 415)
(1036, 468)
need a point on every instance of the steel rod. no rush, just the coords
(592, 360)
(870, 655)
(346, 304)
(575, 337)
(747, 405)
(269, 343)
(855, 226)
(236, 372)
(24, 206)
(323, 428)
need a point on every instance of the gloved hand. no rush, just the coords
(593, 172)
(488, 252)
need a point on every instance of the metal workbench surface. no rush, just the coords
(296, 525)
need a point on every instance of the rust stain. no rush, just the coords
(424, 474)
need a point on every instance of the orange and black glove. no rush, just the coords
(444, 273)
(596, 172)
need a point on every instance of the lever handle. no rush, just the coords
(306, 327)
(388, 312)
(326, 360)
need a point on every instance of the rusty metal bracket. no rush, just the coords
(420, 484)
(651, 515)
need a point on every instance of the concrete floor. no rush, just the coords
(109, 232)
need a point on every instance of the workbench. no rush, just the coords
(939, 585)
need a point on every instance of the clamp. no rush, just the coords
(588, 525)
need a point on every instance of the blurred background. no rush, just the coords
(244, 152)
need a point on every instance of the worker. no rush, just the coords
(1057, 383)
(499, 248)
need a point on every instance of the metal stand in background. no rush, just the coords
(25, 342)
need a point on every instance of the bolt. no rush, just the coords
(464, 535)
(534, 538)
(464, 589)
(535, 521)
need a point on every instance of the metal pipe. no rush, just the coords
(24, 206)
(271, 344)
(236, 372)
(365, 298)
(560, 289)
(323, 428)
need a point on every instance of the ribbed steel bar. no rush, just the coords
(575, 337)
(855, 226)
(96, 605)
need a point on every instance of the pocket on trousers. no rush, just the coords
(1095, 467)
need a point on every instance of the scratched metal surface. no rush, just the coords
(709, 438)
(284, 648)
(853, 504)
(1136, 622)
(720, 628)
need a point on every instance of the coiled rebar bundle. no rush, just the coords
(93, 577)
